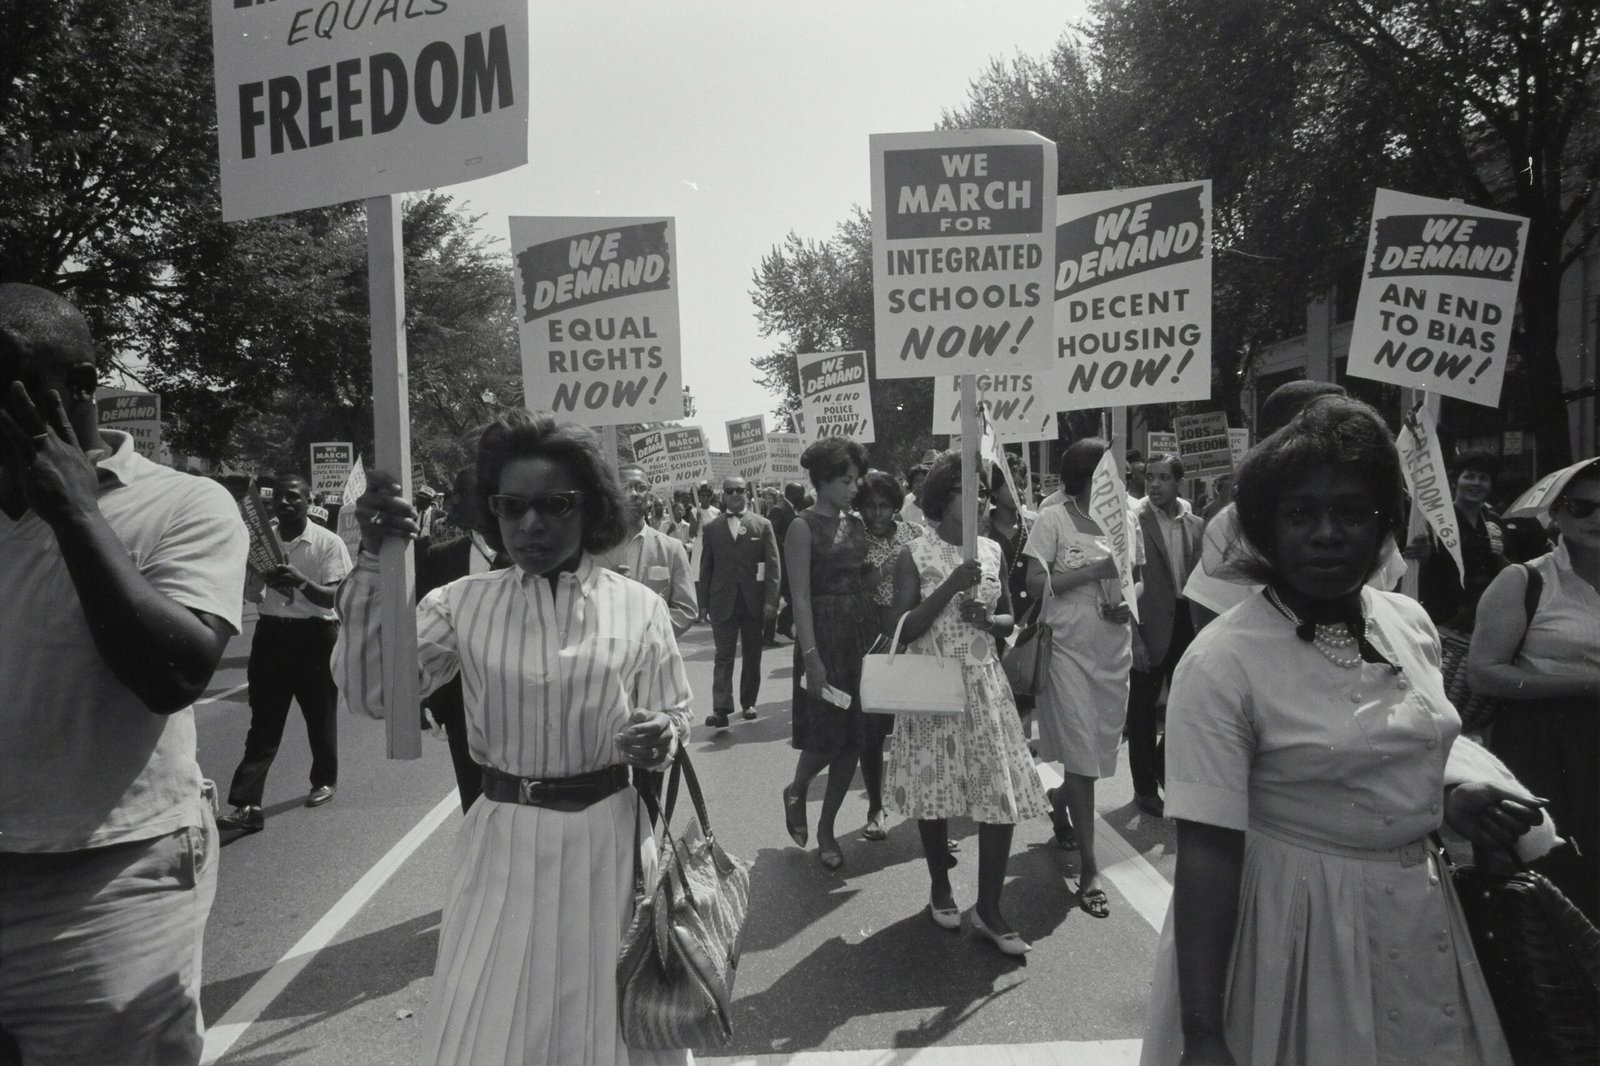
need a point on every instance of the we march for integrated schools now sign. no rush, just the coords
(323, 102)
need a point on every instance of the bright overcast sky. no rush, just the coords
(743, 121)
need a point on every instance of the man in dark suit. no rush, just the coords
(1172, 535)
(780, 514)
(739, 570)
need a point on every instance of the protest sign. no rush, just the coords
(1133, 296)
(1428, 481)
(1438, 293)
(719, 467)
(597, 315)
(1014, 404)
(650, 452)
(1160, 442)
(747, 438)
(1238, 444)
(783, 456)
(355, 483)
(138, 414)
(963, 225)
(684, 453)
(330, 466)
(1108, 505)
(266, 553)
(318, 103)
(1203, 443)
(837, 395)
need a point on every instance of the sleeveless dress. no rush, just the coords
(977, 763)
(843, 624)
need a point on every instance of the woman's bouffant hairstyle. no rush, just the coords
(943, 480)
(524, 435)
(878, 485)
(1332, 431)
(830, 457)
(1078, 461)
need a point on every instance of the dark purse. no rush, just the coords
(1027, 661)
(1477, 712)
(1541, 960)
(681, 951)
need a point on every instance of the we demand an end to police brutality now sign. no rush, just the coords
(322, 101)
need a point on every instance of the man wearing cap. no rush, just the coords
(122, 584)
(289, 658)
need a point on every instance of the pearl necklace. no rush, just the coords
(1331, 640)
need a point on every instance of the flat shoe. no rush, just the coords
(874, 829)
(946, 917)
(794, 817)
(1009, 944)
(830, 855)
(1094, 902)
(749, 714)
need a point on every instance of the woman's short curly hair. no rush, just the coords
(1332, 431)
(876, 484)
(830, 457)
(524, 435)
(943, 480)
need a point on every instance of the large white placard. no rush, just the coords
(138, 414)
(963, 239)
(1204, 443)
(837, 395)
(322, 102)
(686, 456)
(1016, 406)
(747, 440)
(330, 466)
(783, 456)
(1438, 294)
(597, 314)
(1133, 296)
(650, 452)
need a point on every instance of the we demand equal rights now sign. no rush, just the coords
(597, 303)
(319, 103)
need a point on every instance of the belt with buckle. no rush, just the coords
(555, 793)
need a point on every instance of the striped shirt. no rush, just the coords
(548, 677)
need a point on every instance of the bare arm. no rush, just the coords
(1205, 901)
(920, 613)
(1502, 624)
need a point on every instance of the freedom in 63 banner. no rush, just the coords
(963, 249)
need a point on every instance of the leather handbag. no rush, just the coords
(1541, 959)
(1027, 661)
(680, 953)
(896, 682)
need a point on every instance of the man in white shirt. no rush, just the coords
(289, 658)
(650, 556)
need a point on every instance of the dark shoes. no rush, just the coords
(794, 817)
(1153, 805)
(717, 721)
(320, 795)
(749, 714)
(246, 819)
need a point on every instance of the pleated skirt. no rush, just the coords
(1342, 961)
(528, 944)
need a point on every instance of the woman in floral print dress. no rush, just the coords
(976, 763)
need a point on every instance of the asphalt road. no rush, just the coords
(311, 956)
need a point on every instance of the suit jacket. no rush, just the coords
(1158, 600)
(661, 563)
(729, 568)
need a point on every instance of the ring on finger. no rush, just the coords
(41, 439)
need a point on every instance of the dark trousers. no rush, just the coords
(289, 661)
(1146, 745)
(450, 711)
(743, 626)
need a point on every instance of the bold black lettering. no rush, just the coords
(318, 104)
(388, 91)
(345, 73)
(250, 116)
(440, 109)
(480, 66)
(283, 104)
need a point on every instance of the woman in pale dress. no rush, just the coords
(1312, 920)
(571, 675)
(975, 764)
(1082, 709)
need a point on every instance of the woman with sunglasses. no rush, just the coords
(1547, 668)
(974, 765)
(1312, 920)
(571, 675)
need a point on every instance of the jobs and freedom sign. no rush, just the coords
(322, 101)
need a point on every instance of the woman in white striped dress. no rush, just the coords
(570, 674)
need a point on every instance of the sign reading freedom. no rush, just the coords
(318, 103)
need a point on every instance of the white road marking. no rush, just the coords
(225, 1033)
(1139, 882)
(224, 694)
(1052, 1053)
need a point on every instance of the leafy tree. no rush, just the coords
(817, 296)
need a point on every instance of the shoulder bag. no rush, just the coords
(894, 682)
(681, 951)
(1027, 661)
(1477, 711)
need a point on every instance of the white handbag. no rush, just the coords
(896, 683)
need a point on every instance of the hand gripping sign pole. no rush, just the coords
(392, 427)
